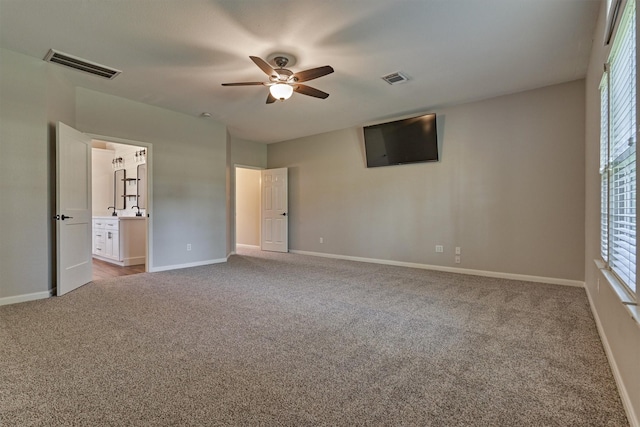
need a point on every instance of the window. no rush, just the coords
(618, 153)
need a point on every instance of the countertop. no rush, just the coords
(118, 217)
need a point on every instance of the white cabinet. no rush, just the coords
(120, 241)
(111, 237)
(99, 237)
(112, 245)
(106, 242)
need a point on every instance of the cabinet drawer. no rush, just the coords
(111, 224)
(98, 236)
(98, 224)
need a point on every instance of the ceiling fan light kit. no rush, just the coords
(281, 91)
(283, 82)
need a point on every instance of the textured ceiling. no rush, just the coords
(175, 53)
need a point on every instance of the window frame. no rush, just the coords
(609, 187)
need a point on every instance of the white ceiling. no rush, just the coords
(175, 53)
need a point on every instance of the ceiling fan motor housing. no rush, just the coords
(281, 61)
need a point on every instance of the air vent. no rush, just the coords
(395, 78)
(81, 64)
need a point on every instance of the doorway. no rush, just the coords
(261, 205)
(247, 207)
(119, 209)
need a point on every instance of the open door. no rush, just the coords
(273, 212)
(73, 204)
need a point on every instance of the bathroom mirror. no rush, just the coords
(119, 189)
(142, 186)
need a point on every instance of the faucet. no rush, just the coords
(114, 210)
(137, 213)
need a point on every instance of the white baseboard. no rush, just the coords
(622, 390)
(109, 260)
(241, 245)
(499, 275)
(187, 265)
(26, 297)
(127, 262)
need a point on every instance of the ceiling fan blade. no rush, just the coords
(313, 73)
(271, 99)
(244, 84)
(264, 66)
(308, 90)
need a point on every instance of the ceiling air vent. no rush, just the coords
(395, 78)
(81, 64)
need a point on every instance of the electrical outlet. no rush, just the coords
(439, 248)
(322, 240)
(457, 259)
(457, 250)
(188, 246)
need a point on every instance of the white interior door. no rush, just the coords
(273, 212)
(73, 204)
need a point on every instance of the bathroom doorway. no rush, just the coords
(120, 188)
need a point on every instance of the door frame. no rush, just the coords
(235, 205)
(149, 209)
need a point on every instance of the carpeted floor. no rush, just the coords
(292, 340)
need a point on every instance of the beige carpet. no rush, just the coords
(292, 340)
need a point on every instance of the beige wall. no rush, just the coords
(619, 332)
(101, 181)
(248, 206)
(188, 172)
(188, 160)
(509, 190)
(248, 153)
(241, 153)
(33, 97)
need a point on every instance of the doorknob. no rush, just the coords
(61, 217)
(284, 214)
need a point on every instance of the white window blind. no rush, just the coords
(604, 167)
(618, 172)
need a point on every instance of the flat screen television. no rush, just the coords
(413, 140)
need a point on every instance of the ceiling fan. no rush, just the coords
(282, 82)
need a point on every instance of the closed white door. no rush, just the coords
(274, 206)
(73, 206)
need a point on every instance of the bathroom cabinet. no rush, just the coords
(120, 240)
